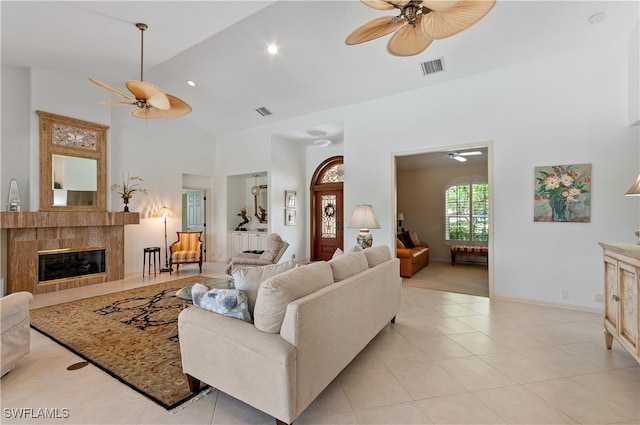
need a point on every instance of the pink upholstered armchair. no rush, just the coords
(275, 250)
(187, 249)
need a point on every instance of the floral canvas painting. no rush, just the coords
(562, 193)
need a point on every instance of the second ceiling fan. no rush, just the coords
(150, 101)
(419, 22)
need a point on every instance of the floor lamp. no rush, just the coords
(165, 212)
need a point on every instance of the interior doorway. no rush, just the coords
(421, 182)
(327, 217)
(194, 213)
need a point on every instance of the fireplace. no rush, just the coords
(57, 264)
(28, 234)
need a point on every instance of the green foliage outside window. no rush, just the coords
(467, 212)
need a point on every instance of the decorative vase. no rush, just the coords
(559, 210)
(126, 203)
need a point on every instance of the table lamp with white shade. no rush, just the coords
(364, 218)
(400, 220)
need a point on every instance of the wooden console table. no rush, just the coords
(621, 284)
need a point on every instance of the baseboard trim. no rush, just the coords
(550, 304)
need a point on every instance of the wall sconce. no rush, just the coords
(364, 218)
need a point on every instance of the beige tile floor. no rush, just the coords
(448, 359)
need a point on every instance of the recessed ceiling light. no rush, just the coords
(597, 18)
(191, 83)
(272, 48)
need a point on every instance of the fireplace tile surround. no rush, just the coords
(27, 233)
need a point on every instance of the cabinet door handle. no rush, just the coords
(615, 297)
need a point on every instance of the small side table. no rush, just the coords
(151, 252)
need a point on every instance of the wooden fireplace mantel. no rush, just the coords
(35, 220)
(30, 232)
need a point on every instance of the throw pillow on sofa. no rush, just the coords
(228, 302)
(414, 238)
(249, 279)
(278, 291)
(377, 255)
(347, 265)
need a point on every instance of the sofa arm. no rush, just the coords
(236, 358)
(251, 261)
(403, 253)
(14, 308)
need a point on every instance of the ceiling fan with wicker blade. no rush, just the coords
(150, 101)
(419, 22)
(460, 156)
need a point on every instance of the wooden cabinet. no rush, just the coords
(621, 283)
(246, 241)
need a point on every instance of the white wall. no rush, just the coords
(563, 110)
(633, 76)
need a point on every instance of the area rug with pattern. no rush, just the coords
(132, 335)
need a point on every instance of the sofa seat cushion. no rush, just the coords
(418, 252)
(278, 291)
(185, 256)
(347, 265)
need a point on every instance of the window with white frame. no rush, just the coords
(467, 212)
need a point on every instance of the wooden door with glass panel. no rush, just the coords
(327, 221)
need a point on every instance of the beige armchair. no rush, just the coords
(187, 249)
(275, 250)
(14, 321)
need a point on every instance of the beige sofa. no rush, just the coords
(309, 323)
(14, 320)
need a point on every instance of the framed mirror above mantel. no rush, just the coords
(72, 164)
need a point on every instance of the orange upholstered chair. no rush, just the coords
(187, 249)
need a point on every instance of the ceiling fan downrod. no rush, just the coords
(142, 27)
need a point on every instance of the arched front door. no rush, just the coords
(327, 222)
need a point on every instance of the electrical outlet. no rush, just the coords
(599, 298)
(293, 256)
(565, 294)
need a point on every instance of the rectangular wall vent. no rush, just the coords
(433, 66)
(263, 111)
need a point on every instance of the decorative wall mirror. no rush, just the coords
(260, 204)
(259, 193)
(72, 164)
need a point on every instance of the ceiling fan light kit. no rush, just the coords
(150, 101)
(419, 22)
(461, 156)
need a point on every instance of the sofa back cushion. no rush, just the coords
(278, 291)
(377, 255)
(347, 265)
(249, 279)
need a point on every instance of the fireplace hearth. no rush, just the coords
(57, 264)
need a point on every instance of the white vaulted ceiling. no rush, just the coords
(222, 46)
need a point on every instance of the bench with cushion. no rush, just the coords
(470, 250)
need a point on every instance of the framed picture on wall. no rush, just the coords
(289, 199)
(562, 193)
(289, 217)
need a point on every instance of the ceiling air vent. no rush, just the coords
(263, 111)
(431, 67)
